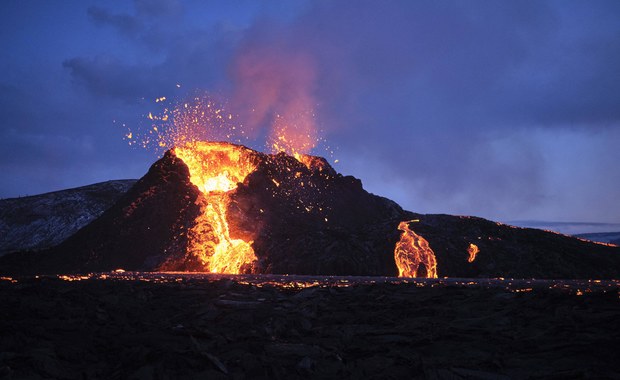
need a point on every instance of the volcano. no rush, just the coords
(225, 208)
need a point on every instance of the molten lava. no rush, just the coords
(472, 250)
(412, 252)
(216, 169)
(311, 162)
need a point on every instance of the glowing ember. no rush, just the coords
(203, 118)
(412, 252)
(294, 135)
(178, 123)
(311, 162)
(216, 169)
(472, 250)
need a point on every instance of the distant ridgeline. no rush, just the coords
(220, 207)
(43, 221)
(602, 237)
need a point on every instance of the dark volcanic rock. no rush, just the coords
(305, 220)
(315, 221)
(184, 328)
(513, 252)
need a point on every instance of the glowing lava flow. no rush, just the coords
(411, 251)
(472, 250)
(216, 169)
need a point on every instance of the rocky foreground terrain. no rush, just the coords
(178, 326)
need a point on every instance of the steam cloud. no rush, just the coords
(274, 88)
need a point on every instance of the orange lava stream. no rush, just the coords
(411, 251)
(472, 250)
(216, 169)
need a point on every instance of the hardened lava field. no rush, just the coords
(172, 325)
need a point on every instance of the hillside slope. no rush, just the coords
(302, 219)
(45, 220)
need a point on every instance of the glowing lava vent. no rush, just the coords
(412, 253)
(216, 169)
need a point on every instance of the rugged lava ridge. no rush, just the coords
(298, 216)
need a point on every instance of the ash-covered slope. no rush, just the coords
(45, 220)
(303, 218)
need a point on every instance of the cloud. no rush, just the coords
(110, 77)
(159, 8)
(273, 88)
(440, 96)
(123, 23)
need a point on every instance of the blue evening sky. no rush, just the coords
(502, 109)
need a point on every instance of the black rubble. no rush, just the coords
(227, 329)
